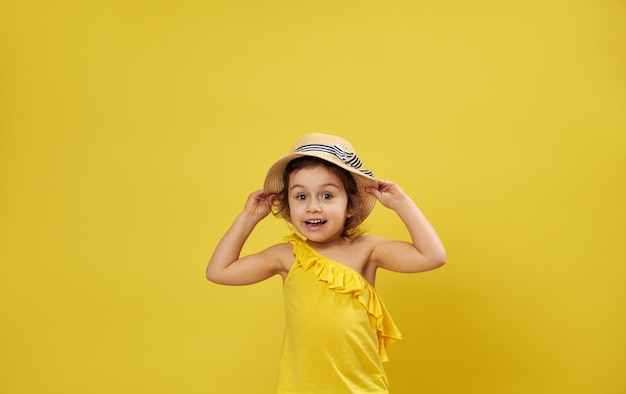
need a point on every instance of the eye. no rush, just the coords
(327, 196)
(300, 197)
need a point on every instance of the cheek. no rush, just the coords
(348, 210)
(293, 208)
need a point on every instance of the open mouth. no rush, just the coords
(315, 222)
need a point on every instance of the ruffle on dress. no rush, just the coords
(345, 280)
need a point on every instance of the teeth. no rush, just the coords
(317, 221)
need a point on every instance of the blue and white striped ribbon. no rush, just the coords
(349, 158)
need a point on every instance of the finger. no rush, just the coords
(384, 184)
(373, 191)
(257, 195)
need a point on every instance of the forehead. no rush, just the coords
(315, 176)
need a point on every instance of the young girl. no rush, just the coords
(337, 328)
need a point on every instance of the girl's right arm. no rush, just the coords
(227, 268)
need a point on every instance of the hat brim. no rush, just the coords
(274, 181)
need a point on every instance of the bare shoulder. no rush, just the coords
(368, 241)
(367, 245)
(362, 254)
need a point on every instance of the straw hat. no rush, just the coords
(332, 149)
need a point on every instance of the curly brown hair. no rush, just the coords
(281, 203)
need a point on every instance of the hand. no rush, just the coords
(389, 194)
(259, 204)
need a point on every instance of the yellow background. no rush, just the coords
(132, 132)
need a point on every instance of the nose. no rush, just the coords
(313, 206)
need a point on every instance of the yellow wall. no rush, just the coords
(132, 132)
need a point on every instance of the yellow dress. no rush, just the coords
(337, 329)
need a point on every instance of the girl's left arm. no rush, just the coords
(426, 251)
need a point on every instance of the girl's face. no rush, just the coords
(318, 204)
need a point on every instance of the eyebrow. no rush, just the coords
(321, 186)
